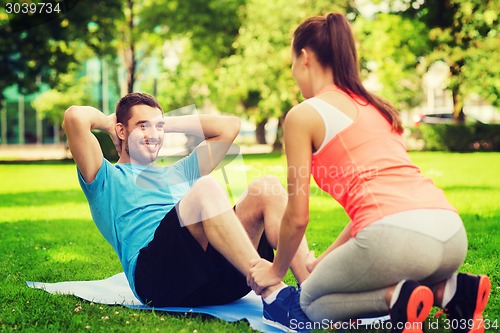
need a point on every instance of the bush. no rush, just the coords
(446, 137)
(107, 146)
(487, 137)
(459, 137)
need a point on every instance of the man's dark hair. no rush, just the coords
(128, 101)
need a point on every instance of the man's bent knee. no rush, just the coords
(206, 199)
(266, 187)
(207, 186)
(211, 197)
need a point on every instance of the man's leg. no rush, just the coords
(261, 209)
(207, 213)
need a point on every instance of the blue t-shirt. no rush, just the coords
(128, 202)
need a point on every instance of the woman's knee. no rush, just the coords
(306, 304)
(309, 292)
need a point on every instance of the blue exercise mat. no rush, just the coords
(116, 291)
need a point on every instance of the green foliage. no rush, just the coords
(464, 34)
(257, 80)
(52, 103)
(464, 137)
(261, 64)
(185, 84)
(390, 48)
(198, 33)
(211, 26)
(446, 137)
(487, 137)
(107, 146)
(45, 50)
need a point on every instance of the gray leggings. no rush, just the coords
(351, 281)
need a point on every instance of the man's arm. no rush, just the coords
(219, 133)
(78, 123)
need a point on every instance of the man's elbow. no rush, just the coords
(73, 115)
(69, 117)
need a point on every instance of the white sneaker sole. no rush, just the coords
(278, 325)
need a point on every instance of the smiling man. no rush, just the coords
(178, 238)
(143, 133)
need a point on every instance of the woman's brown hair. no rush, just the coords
(331, 39)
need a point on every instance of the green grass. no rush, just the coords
(46, 234)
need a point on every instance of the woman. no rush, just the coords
(400, 252)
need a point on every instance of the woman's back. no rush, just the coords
(365, 166)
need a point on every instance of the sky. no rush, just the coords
(370, 7)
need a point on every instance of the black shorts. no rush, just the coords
(174, 270)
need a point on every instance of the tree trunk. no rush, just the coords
(458, 103)
(130, 69)
(260, 132)
(130, 51)
(3, 122)
(458, 107)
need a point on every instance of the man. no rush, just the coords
(178, 239)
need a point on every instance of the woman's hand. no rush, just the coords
(311, 261)
(262, 275)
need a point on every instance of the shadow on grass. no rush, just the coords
(263, 156)
(41, 162)
(38, 198)
(468, 188)
(55, 250)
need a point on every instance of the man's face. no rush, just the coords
(144, 134)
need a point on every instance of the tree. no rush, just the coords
(390, 49)
(185, 80)
(45, 49)
(194, 36)
(70, 90)
(43, 45)
(133, 30)
(463, 34)
(257, 80)
(136, 43)
(211, 26)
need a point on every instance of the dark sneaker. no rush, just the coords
(411, 309)
(468, 303)
(285, 312)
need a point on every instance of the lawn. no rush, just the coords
(46, 234)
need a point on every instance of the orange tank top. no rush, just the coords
(366, 168)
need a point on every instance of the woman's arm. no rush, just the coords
(343, 237)
(299, 128)
(297, 139)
